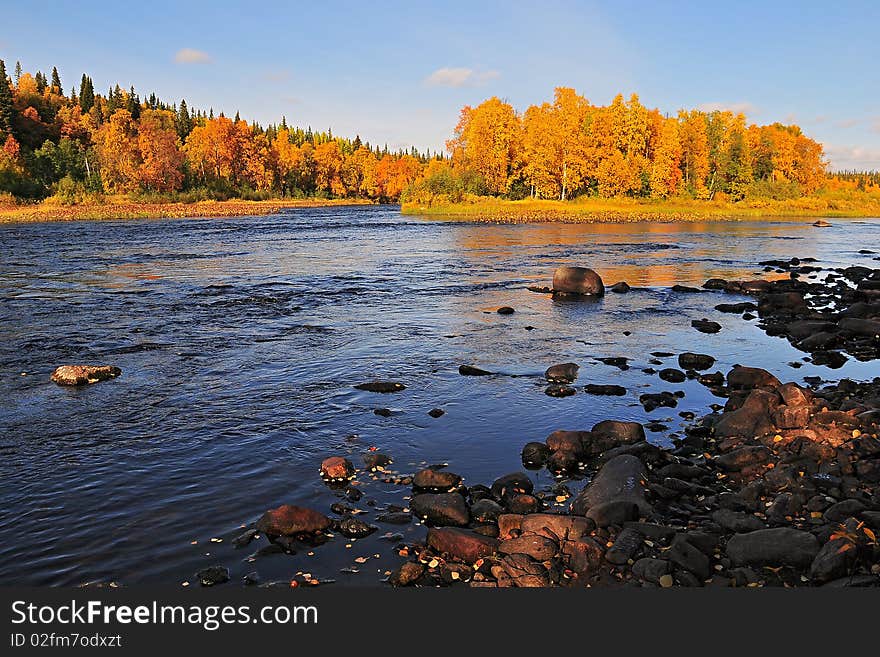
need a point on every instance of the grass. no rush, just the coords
(123, 208)
(625, 210)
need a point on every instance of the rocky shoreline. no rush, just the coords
(777, 486)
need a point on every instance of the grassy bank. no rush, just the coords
(624, 210)
(122, 208)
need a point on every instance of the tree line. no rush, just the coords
(86, 143)
(570, 147)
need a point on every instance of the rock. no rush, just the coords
(522, 572)
(652, 401)
(749, 378)
(672, 375)
(621, 287)
(563, 462)
(736, 521)
(535, 455)
(290, 520)
(485, 511)
(557, 527)
(441, 509)
(505, 310)
(508, 523)
(436, 412)
(381, 386)
(752, 419)
(650, 570)
(612, 390)
(523, 503)
(373, 460)
(563, 373)
(462, 544)
(213, 575)
(515, 483)
(706, 326)
(744, 457)
(556, 390)
(435, 481)
(782, 304)
(77, 375)
(622, 480)
(869, 328)
(821, 223)
(337, 468)
(354, 528)
(715, 284)
(684, 555)
(584, 556)
(832, 561)
(578, 281)
(625, 547)
(613, 433)
(692, 361)
(619, 362)
(737, 308)
(408, 573)
(840, 511)
(773, 547)
(539, 548)
(383, 412)
(615, 512)
(569, 441)
(395, 517)
(686, 289)
(469, 370)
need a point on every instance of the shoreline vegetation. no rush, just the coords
(123, 208)
(80, 154)
(626, 210)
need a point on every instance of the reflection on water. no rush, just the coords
(240, 340)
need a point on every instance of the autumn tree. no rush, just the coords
(666, 171)
(694, 150)
(161, 160)
(116, 143)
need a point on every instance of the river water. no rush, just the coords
(241, 339)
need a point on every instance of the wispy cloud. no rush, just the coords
(852, 157)
(460, 77)
(191, 56)
(847, 123)
(743, 107)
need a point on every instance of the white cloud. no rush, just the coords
(191, 56)
(852, 157)
(460, 77)
(736, 108)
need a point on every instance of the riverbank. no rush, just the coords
(124, 209)
(625, 210)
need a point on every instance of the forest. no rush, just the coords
(80, 146)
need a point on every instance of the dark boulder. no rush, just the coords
(381, 386)
(773, 547)
(435, 480)
(692, 361)
(441, 509)
(470, 370)
(578, 281)
(290, 520)
(462, 544)
(622, 479)
(562, 373)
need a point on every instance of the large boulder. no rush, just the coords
(753, 418)
(621, 481)
(435, 481)
(77, 375)
(749, 378)
(441, 509)
(579, 281)
(773, 547)
(608, 434)
(289, 520)
(462, 544)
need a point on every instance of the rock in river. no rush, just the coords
(706, 326)
(77, 375)
(470, 370)
(381, 386)
(562, 373)
(435, 481)
(622, 479)
(578, 281)
(289, 520)
(337, 468)
(692, 361)
(441, 509)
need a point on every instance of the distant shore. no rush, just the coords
(123, 209)
(596, 210)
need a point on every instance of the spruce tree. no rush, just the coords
(86, 94)
(184, 121)
(17, 71)
(7, 110)
(56, 81)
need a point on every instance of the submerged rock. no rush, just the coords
(290, 520)
(612, 390)
(692, 361)
(562, 373)
(213, 575)
(556, 390)
(505, 310)
(77, 375)
(706, 326)
(381, 386)
(470, 370)
(620, 288)
(578, 281)
(441, 509)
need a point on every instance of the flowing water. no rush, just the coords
(241, 339)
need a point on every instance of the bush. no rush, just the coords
(776, 190)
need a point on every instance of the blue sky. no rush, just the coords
(398, 72)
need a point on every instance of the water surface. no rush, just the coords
(240, 340)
